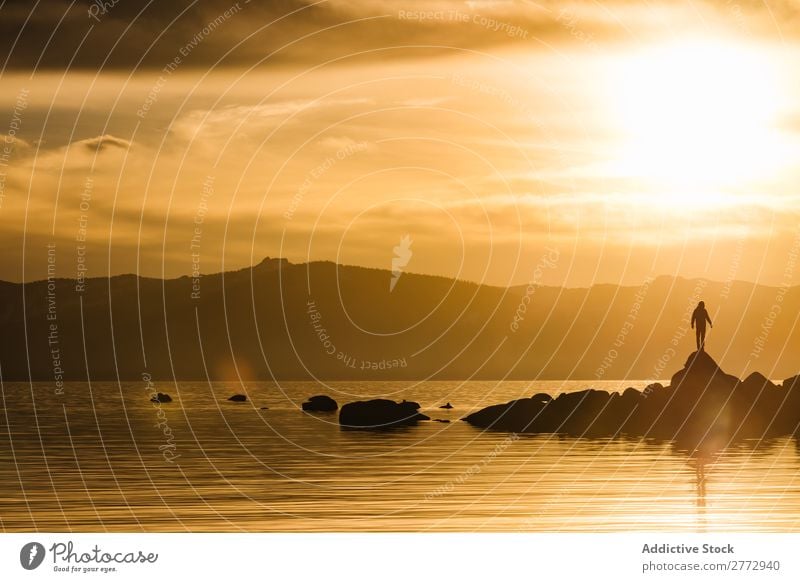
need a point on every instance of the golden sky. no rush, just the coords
(636, 138)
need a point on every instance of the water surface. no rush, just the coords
(93, 459)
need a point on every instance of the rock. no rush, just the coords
(238, 398)
(161, 397)
(579, 413)
(542, 397)
(757, 380)
(320, 403)
(447, 406)
(788, 416)
(655, 387)
(264, 408)
(755, 405)
(440, 420)
(701, 368)
(379, 414)
(792, 383)
(515, 416)
(582, 413)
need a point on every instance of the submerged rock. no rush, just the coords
(161, 397)
(380, 414)
(320, 403)
(702, 403)
(447, 406)
(238, 398)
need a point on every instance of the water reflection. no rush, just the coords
(74, 467)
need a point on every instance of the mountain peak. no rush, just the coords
(272, 264)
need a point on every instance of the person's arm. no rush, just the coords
(694, 316)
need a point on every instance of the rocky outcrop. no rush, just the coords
(701, 403)
(320, 403)
(790, 383)
(380, 414)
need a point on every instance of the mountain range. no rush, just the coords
(336, 322)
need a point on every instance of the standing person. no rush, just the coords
(700, 317)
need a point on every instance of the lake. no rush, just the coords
(101, 457)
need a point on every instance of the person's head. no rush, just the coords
(702, 305)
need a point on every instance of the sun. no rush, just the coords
(697, 119)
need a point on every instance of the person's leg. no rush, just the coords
(697, 337)
(701, 333)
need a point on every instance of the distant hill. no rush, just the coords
(289, 321)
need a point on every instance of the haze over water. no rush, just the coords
(90, 461)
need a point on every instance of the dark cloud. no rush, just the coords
(123, 34)
(103, 142)
(129, 33)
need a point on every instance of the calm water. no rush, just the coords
(90, 460)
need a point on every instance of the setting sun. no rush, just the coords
(698, 118)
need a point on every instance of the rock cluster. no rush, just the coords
(701, 403)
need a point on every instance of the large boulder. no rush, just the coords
(788, 415)
(320, 403)
(696, 405)
(583, 412)
(700, 369)
(754, 405)
(379, 414)
(515, 416)
(792, 383)
(758, 381)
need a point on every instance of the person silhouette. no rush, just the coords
(700, 317)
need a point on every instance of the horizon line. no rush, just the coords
(405, 273)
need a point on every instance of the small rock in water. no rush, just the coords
(447, 406)
(238, 398)
(320, 403)
(161, 397)
(380, 414)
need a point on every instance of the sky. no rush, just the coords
(625, 139)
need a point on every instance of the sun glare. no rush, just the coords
(698, 119)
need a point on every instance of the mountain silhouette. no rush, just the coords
(320, 319)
